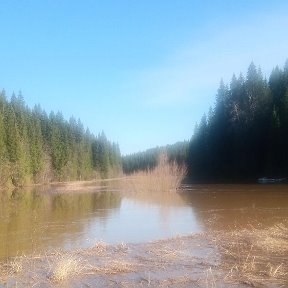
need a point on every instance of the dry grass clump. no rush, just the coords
(121, 248)
(256, 257)
(16, 265)
(100, 248)
(166, 176)
(64, 267)
(13, 266)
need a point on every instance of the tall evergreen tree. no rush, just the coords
(247, 132)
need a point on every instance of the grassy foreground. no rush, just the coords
(255, 257)
(243, 258)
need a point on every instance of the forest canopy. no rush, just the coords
(245, 136)
(145, 160)
(40, 148)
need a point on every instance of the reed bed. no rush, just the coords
(166, 176)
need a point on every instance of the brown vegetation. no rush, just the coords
(255, 257)
(65, 266)
(242, 258)
(163, 263)
(166, 176)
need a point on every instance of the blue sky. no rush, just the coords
(142, 71)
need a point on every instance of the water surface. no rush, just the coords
(36, 219)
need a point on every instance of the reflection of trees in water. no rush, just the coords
(165, 201)
(230, 206)
(31, 220)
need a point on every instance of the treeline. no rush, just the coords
(38, 148)
(245, 136)
(145, 160)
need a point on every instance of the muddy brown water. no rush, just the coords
(38, 219)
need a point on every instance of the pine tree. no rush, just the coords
(4, 162)
(36, 148)
(14, 147)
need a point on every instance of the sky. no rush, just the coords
(143, 71)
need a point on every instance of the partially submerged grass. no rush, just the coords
(64, 267)
(165, 253)
(166, 176)
(251, 257)
(16, 265)
(177, 281)
(100, 248)
(210, 281)
(12, 266)
(114, 267)
(256, 256)
(121, 248)
(274, 239)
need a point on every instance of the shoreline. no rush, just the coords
(160, 263)
(65, 185)
(251, 257)
(242, 258)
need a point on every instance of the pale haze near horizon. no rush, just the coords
(144, 71)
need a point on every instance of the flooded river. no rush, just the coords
(38, 219)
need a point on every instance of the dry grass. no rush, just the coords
(274, 239)
(13, 266)
(121, 248)
(118, 267)
(210, 280)
(64, 267)
(16, 265)
(114, 267)
(100, 248)
(165, 176)
(256, 257)
(165, 253)
(252, 257)
(181, 280)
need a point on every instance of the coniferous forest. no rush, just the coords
(40, 148)
(145, 160)
(245, 136)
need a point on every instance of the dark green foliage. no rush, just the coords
(4, 157)
(106, 156)
(35, 148)
(142, 161)
(246, 134)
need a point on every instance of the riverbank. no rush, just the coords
(242, 258)
(70, 186)
(83, 186)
